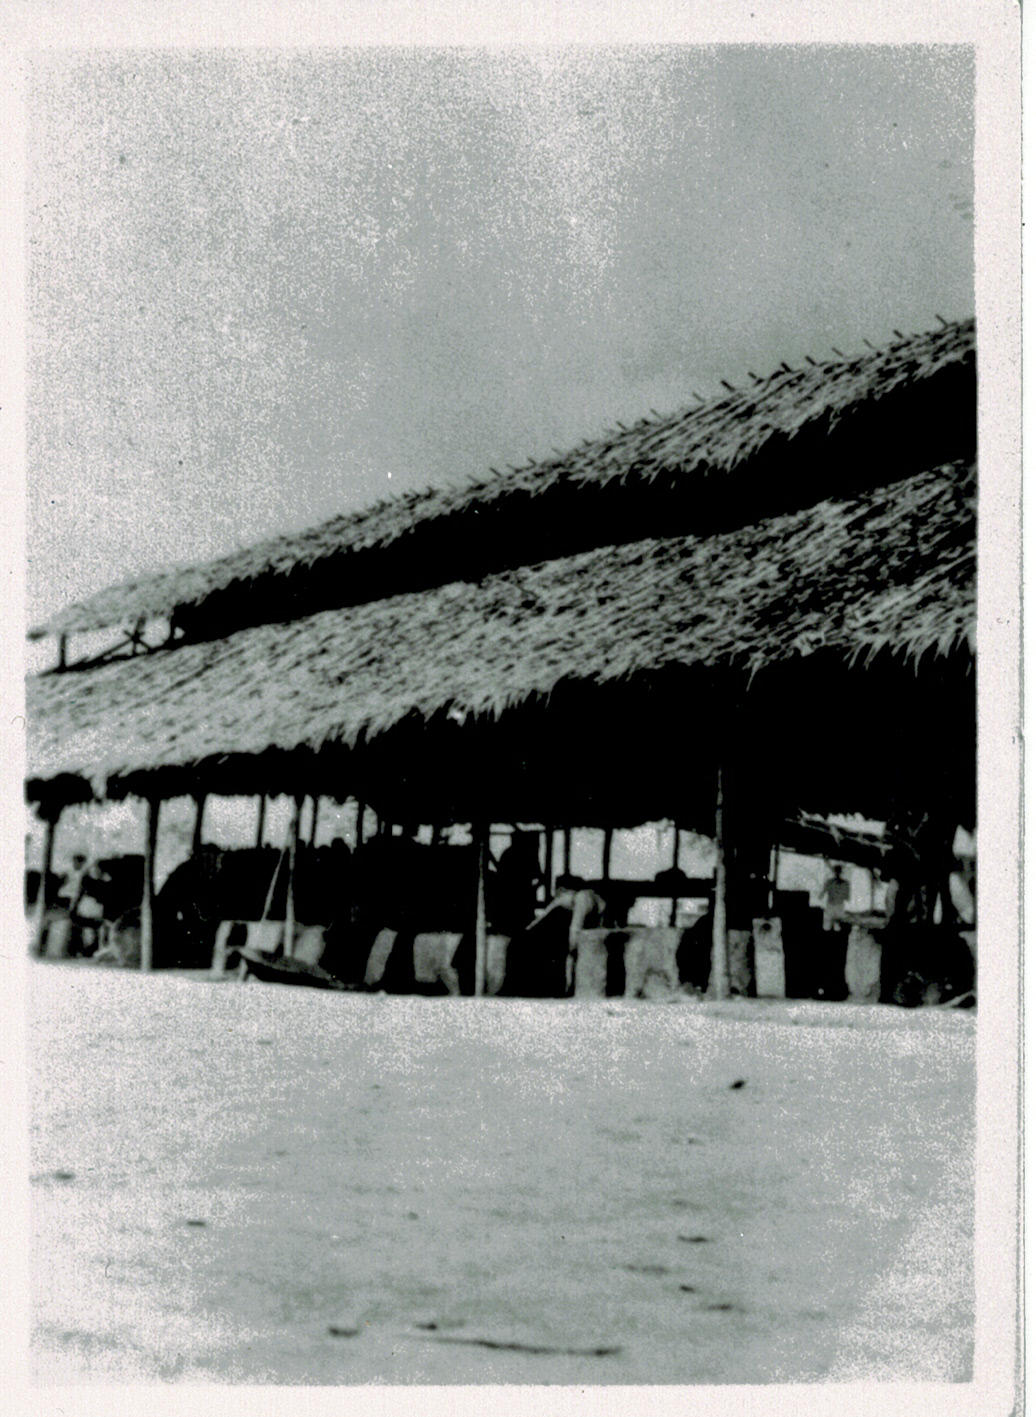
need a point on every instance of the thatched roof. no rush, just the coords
(888, 573)
(780, 445)
(812, 835)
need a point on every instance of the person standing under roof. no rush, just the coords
(835, 896)
(514, 882)
(80, 897)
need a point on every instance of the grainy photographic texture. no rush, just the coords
(501, 862)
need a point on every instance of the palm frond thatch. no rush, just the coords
(887, 572)
(832, 430)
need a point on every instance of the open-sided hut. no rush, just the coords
(775, 589)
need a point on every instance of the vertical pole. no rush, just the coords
(268, 906)
(719, 975)
(606, 865)
(260, 829)
(676, 867)
(567, 857)
(199, 817)
(481, 832)
(289, 904)
(361, 812)
(548, 863)
(147, 903)
(62, 651)
(313, 820)
(40, 923)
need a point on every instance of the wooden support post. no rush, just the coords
(147, 903)
(606, 865)
(272, 887)
(719, 975)
(289, 903)
(260, 829)
(548, 863)
(199, 818)
(481, 835)
(62, 651)
(39, 934)
(313, 820)
(775, 866)
(566, 861)
(676, 867)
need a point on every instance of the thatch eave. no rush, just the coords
(837, 430)
(888, 576)
(616, 754)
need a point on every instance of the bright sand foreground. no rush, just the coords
(262, 1184)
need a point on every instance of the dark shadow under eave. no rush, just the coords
(814, 735)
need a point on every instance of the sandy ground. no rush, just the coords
(260, 1184)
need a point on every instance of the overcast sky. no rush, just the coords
(265, 288)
